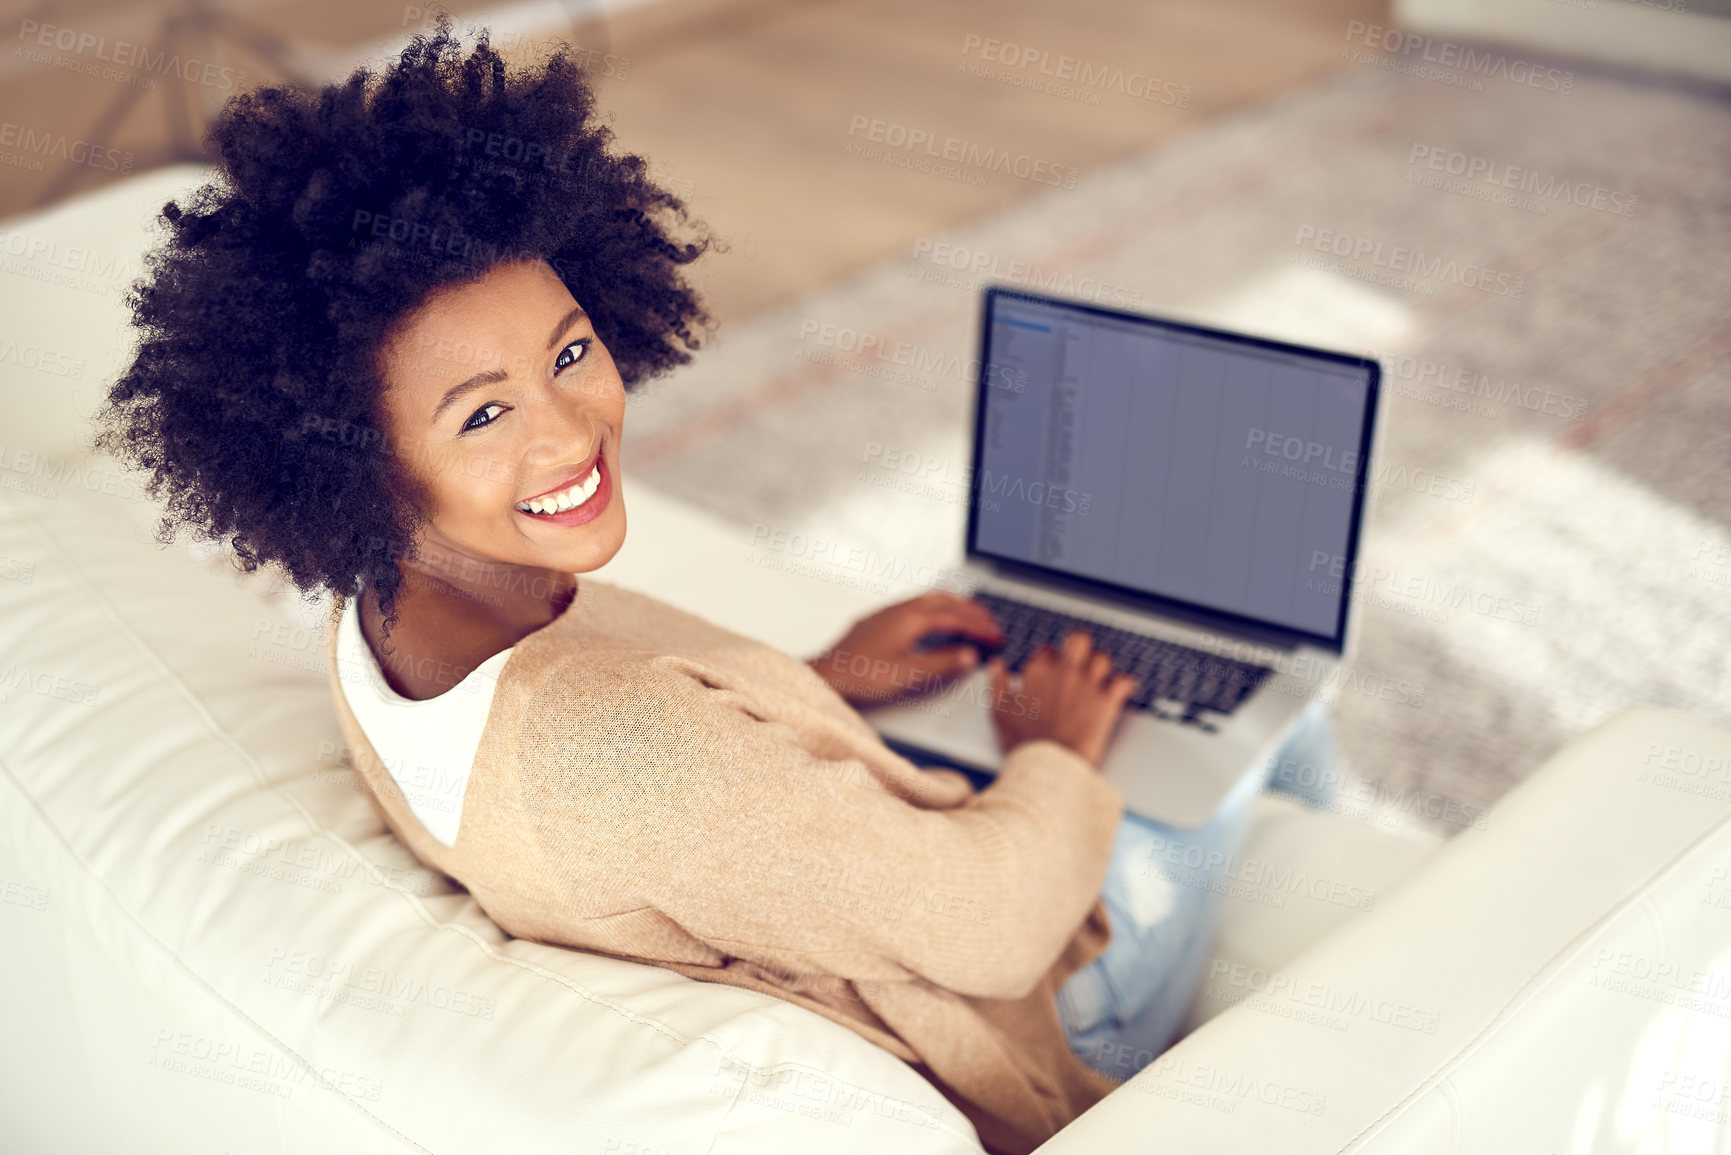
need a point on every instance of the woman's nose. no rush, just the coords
(564, 430)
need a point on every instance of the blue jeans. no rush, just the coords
(1163, 892)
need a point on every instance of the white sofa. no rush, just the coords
(213, 945)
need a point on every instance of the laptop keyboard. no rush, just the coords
(1164, 670)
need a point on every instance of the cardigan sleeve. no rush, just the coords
(723, 820)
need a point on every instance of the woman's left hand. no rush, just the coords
(878, 660)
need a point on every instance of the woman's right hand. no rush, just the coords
(1072, 697)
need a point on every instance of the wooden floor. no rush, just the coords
(783, 122)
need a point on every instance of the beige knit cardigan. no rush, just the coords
(654, 787)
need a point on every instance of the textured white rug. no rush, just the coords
(1547, 540)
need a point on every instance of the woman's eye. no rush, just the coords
(566, 357)
(471, 423)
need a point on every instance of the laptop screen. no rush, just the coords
(1198, 467)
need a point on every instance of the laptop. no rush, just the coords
(1191, 497)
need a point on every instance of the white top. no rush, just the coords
(428, 747)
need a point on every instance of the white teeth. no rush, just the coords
(566, 498)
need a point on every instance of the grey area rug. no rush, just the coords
(1547, 536)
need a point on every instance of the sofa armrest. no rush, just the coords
(1556, 977)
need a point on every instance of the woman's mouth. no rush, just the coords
(582, 499)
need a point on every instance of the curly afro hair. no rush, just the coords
(254, 401)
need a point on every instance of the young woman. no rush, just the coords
(389, 351)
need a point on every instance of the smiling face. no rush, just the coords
(503, 404)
